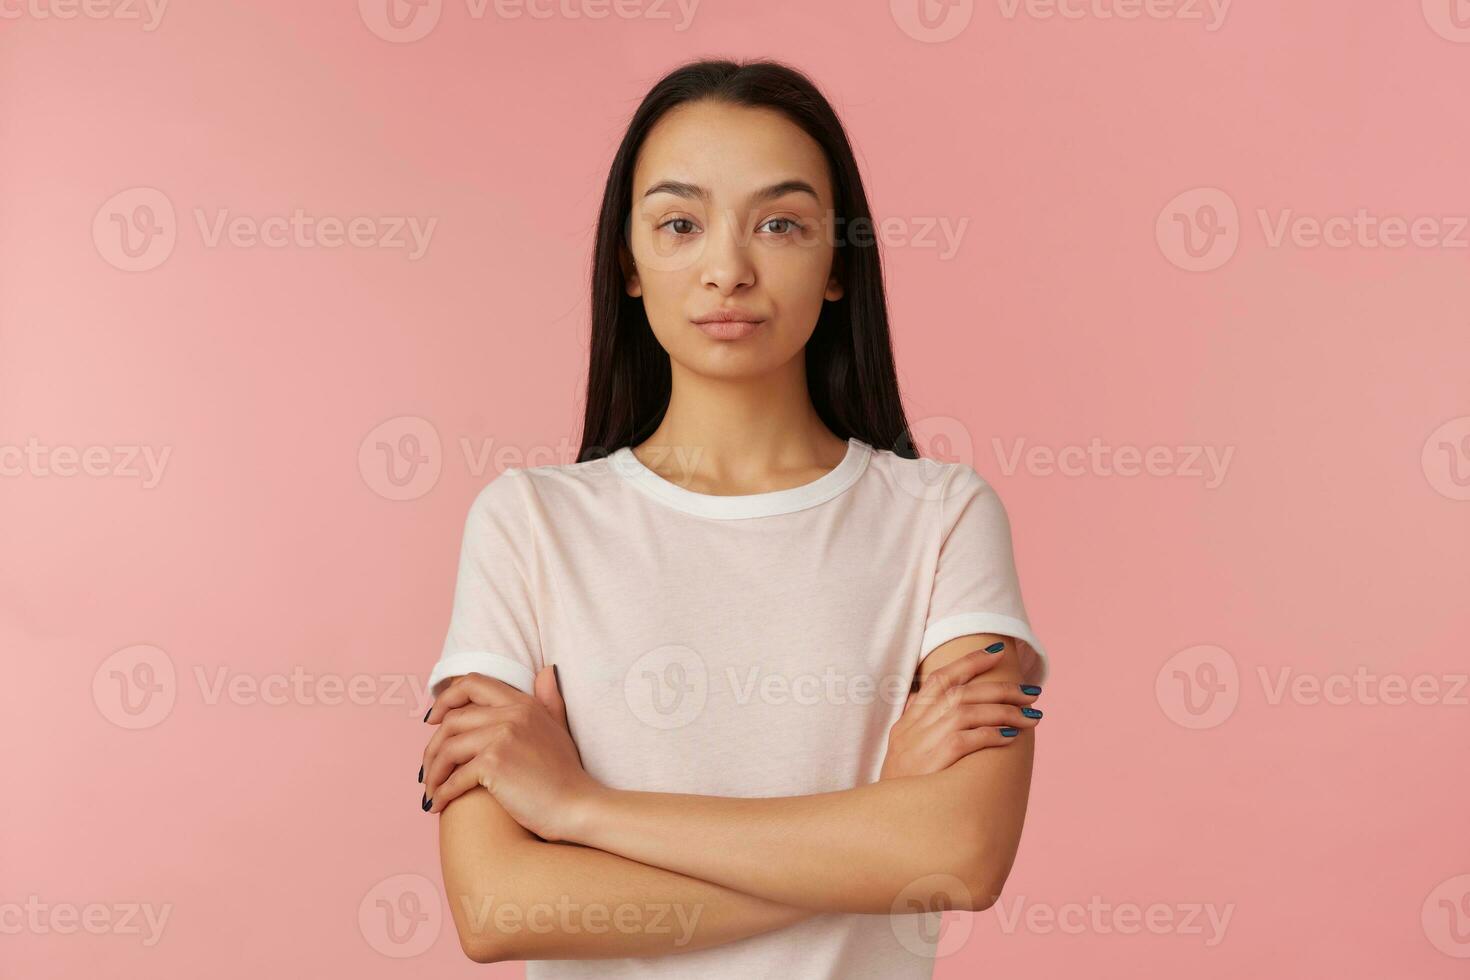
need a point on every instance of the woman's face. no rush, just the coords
(732, 210)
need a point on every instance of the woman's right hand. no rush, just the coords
(955, 712)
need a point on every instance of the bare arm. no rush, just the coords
(857, 850)
(514, 896)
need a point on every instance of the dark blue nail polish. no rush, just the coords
(1009, 732)
(426, 713)
(421, 773)
(1030, 689)
(427, 803)
(995, 647)
(1031, 712)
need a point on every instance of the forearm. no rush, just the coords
(516, 897)
(855, 850)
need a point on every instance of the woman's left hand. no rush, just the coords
(517, 746)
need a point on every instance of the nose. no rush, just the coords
(726, 261)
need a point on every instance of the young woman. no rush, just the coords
(676, 732)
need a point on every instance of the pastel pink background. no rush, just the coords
(1334, 835)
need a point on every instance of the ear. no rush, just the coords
(631, 283)
(834, 283)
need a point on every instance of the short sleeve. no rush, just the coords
(976, 588)
(492, 625)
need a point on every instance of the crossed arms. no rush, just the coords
(725, 868)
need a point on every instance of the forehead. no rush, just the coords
(731, 150)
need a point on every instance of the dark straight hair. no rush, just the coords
(850, 371)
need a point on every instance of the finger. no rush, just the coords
(966, 741)
(976, 715)
(992, 716)
(473, 688)
(455, 752)
(942, 750)
(487, 724)
(951, 675)
(461, 781)
(548, 692)
(915, 708)
(455, 721)
(978, 691)
(993, 692)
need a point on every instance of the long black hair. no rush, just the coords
(850, 371)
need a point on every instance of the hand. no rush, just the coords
(953, 713)
(516, 746)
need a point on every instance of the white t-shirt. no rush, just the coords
(745, 646)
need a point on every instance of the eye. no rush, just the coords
(678, 221)
(790, 223)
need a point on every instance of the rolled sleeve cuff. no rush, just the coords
(963, 624)
(495, 665)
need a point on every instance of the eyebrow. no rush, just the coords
(680, 188)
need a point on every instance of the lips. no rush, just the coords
(728, 329)
(728, 324)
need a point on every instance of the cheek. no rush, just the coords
(665, 295)
(796, 275)
(666, 271)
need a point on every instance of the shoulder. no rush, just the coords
(502, 494)
(521, 490)
(940, 486)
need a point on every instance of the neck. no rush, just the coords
(740, 432)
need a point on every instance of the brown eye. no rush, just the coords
(679, 221)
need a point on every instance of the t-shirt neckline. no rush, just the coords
(767, 504)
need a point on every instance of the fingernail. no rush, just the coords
(1031, 712)
(995, 647)
(1030, 689)
(1007, 732)
(421, 773)
(426, 713)
(427, 802)
(557, 674)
